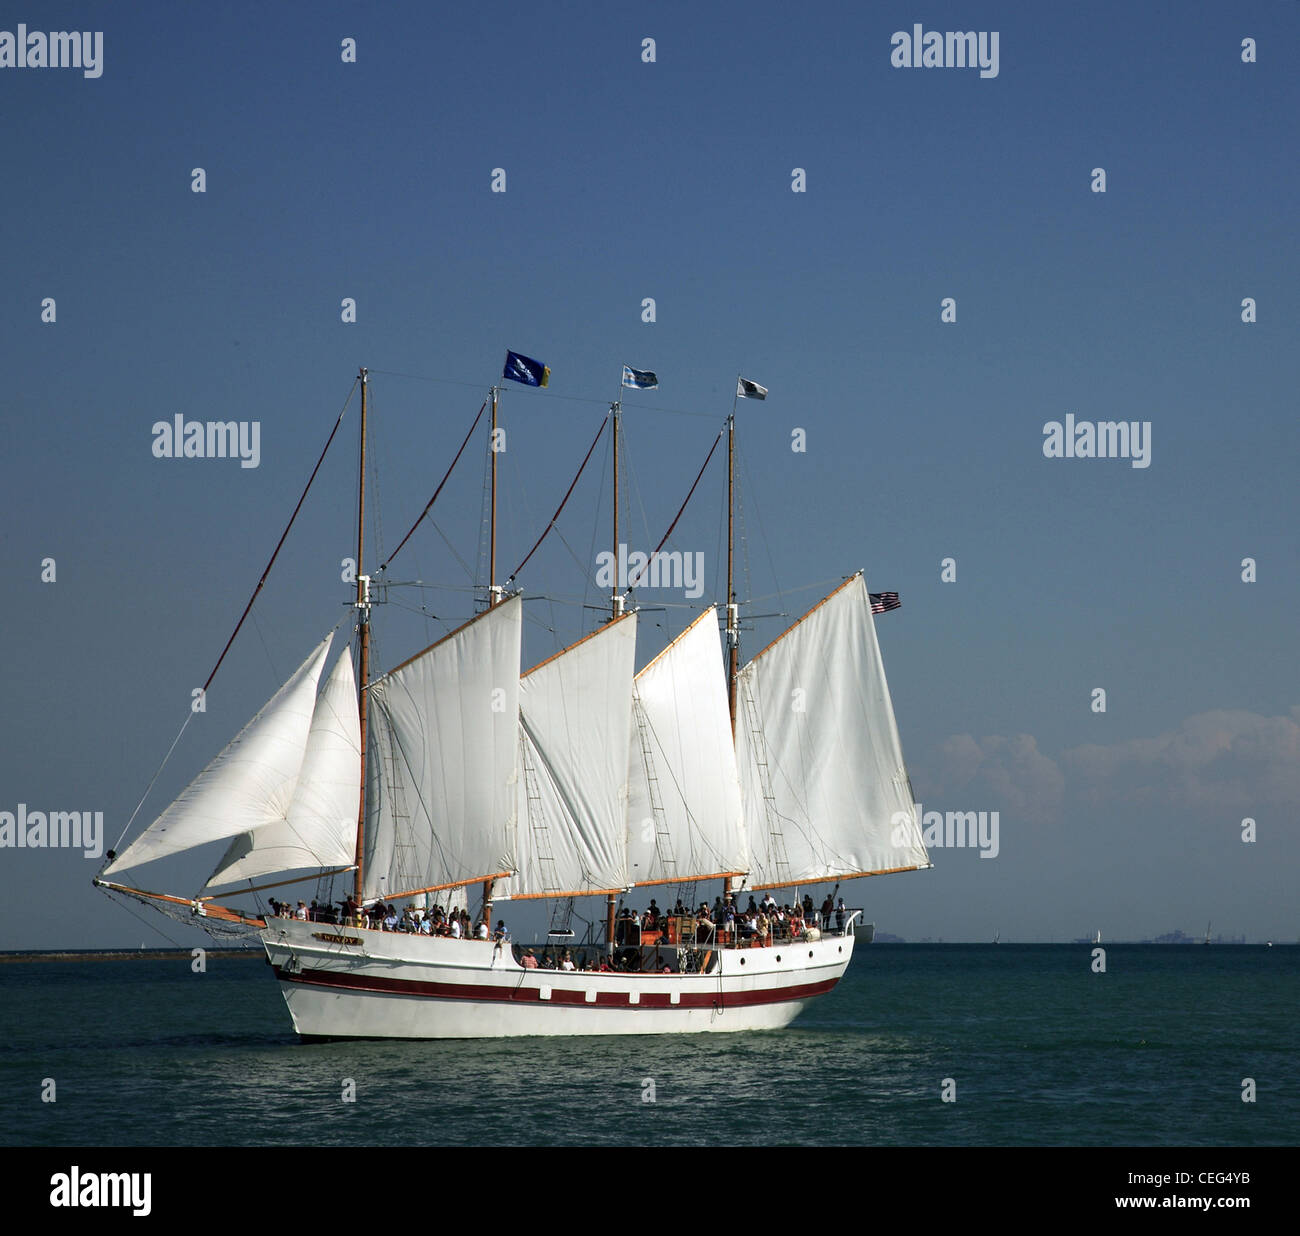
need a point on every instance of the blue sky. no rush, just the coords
(672, 180)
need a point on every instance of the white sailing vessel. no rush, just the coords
(578, 777)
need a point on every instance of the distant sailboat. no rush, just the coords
(997, 937)
(1097, 937)
(1207, 930)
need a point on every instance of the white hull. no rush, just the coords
(344, 982)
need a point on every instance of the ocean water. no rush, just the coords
(1039, 1050)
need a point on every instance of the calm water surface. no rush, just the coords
(1040, 1050)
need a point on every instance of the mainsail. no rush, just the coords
(684, 807)
(440, 793)
(249, 786)
(574, 712)
(826, 793)
(320, 828)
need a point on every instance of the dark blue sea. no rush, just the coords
(1030, 1046)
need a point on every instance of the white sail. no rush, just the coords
(440, 793)
(825, 790)
(248, 786)
(574, 711)
(320, 828)
(684, 817)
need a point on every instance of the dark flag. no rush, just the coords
(526, 370)
(640, 379)
(883, 601)
(745, 389)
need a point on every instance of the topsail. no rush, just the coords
(684, 809)
(444, 750)
(826, 794)
(249, 785)
(575, 709)
(320, 828)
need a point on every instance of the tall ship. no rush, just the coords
(458, 782)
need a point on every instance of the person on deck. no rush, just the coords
(528, 961)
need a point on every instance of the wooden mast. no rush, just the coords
(492, 595)
(733, 613)
(615, 608)
(616, 599)
(492, 519)
(363, 634)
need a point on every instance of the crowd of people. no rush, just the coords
(454, 923)
(628, 960)
(760, 923)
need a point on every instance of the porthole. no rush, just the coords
(810, 952)
(778, 956)
(742, 961)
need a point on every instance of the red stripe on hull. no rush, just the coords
(510, 995)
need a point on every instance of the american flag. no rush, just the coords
(881, 602)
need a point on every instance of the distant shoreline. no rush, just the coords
(150, 954)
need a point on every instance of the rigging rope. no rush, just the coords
(560, 508)
(150, 786)
(437, 491)
(281, 541)
(681, 509)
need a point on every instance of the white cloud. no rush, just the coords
(1219, 760)
(1224, 759)
(996, 773)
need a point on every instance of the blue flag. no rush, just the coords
(526, 370)
(640, 379)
